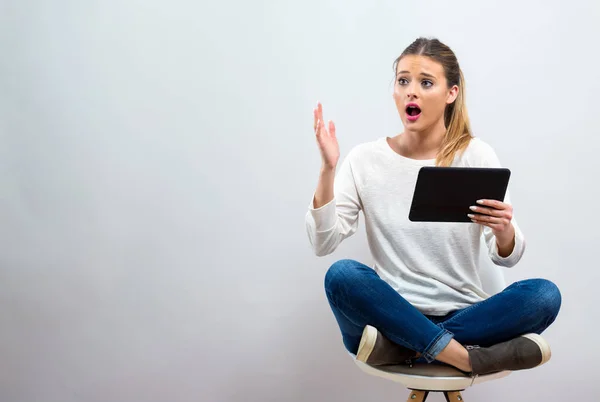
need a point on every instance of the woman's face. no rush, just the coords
(421, 93)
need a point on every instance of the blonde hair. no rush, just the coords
(456, 119)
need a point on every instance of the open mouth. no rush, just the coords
(413, 111)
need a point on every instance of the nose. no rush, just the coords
(411, 91)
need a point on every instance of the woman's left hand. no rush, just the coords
(497, 216)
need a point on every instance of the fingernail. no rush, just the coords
(480, 201)
(473, 208)
(471, 215)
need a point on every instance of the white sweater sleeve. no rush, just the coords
(331, 223)
(491, 160)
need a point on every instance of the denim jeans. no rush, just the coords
(358, 296)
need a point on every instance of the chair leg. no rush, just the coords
(417, 396)
(453, 396)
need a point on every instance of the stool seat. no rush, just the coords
(428, 377)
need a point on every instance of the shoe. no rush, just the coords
(525, 352)
(377, 350)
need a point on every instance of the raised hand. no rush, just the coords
(326, 139)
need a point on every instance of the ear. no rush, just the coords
(452, 94)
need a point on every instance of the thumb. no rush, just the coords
(331, 128)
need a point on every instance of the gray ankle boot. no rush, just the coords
(525, 352)
(377, 350)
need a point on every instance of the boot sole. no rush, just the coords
(542, 344)
(367, 343)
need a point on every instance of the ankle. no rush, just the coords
(468, 367)
(465, 365)
(463, 362)
(455, 355)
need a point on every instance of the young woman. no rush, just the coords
(423, 297)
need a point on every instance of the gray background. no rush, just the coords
(157, 159)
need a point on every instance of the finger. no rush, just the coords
(484, 221)
(488, 219)
(320, 111)
(316, 118)
(318, 128)
(494, 204)
(491, 211)
(321, 130)
(331, 129)
(490, 225)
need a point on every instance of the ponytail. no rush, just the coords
(458, 129)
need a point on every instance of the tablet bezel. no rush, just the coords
(432, 195)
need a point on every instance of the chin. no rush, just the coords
(417, 126)
(414, 126)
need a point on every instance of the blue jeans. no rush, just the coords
(358, 296)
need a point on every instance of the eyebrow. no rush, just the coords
(408, 72)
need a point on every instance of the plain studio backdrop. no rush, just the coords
(157, 160)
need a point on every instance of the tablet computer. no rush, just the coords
(444, 194)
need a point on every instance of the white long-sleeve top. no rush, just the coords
(433, 265)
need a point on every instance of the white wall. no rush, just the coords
(157, 159)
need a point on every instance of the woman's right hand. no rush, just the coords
(326, 139)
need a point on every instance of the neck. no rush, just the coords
(421, 144)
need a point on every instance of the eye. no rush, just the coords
(426, 83)
(402, 81)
